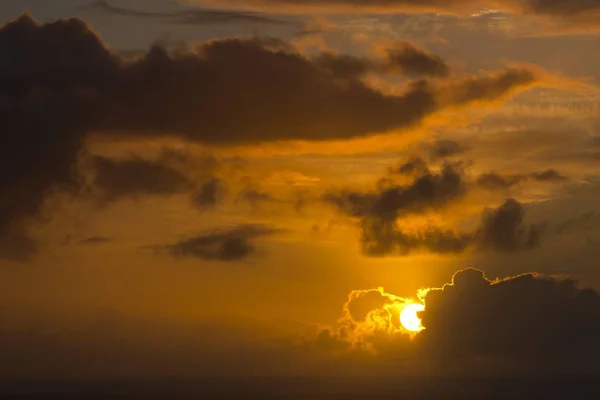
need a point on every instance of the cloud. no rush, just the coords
(383, 214)
(446, 148)
(530, 321)
(550, 175)
(136, 177)
(400, 58)
(387, 239)
(496, 181)
(67, 84)
(95, 240)
(228, 245)
(191, 15)
(483, 87)
(429, 191)
(42, 122)
(379, 211)
(328, 102)
(503, 229)
(209, 193)
(413, 61)
(416, 166)
(522, 325)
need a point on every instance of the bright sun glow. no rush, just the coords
(409, 319)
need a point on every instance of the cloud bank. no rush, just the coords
(59, 82)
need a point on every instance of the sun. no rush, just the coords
(409, 319)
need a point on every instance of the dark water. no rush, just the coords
(311, 389)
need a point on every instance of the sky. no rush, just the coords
(257, 188)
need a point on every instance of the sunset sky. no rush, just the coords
(259, 187)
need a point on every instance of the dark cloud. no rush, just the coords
(503, 229)
(58, 82)
(413, 61)
(530, 322)
(381, 212)
(43, 119)
(415, 166)
(191, 15)
(496, 181)
(230, 245)
(403, 58)
(432, 190)
(446, 148)
(259, 78)
(93, 240)
(486, 86)
(254, 197)
(386, 238)
(136, 177)
(209, 193)
(550, 175)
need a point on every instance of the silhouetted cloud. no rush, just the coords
(432, 190)
(254, 197)
(380, 212)
(550, 175)
(532, 322)
(384, 238)
(446, 148)
(93, 240)
(229, 245)
(59, 82)
(403, 58)
(209, 193)
(523, 325)
(136, 177)
(416, 166)
(503, 229)
(413, 61)
(496, 181)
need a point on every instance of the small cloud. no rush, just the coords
(209, 193)
(441, 149)
(118, 178)
(228, 245)
(95, 240)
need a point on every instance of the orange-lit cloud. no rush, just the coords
(474, 320)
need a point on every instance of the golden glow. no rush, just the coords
(409, 319)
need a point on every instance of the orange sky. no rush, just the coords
(182, 186)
